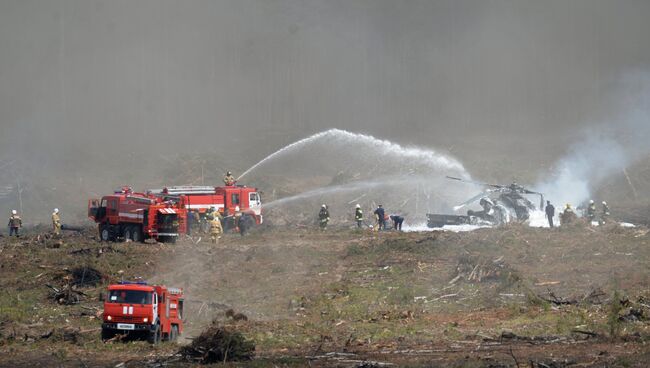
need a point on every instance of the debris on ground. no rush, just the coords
(66, 295)
(475, 270)
(86, 276)
(218, 344)
(595, 296)
(236, 316)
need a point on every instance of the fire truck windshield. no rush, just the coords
(129, 296)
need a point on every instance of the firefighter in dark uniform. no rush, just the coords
(358, 216)
(15, 223)
(397, 221)
(550, 213)
(591, 211)
(380, 217)
(323, 217)
(604, 215)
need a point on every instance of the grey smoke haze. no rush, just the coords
(87, 83)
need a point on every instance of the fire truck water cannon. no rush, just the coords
(153, 312)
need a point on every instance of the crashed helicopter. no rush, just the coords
(501, 204)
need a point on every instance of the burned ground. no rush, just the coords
(563, 297)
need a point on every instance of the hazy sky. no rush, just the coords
(93, 76)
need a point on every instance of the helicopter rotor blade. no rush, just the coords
(475, 182)
(470, 201)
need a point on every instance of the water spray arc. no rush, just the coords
(337, 137)
(362, 167)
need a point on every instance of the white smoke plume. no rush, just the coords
(607, 149)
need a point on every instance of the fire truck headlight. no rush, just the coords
(109, 318)
(145, 320)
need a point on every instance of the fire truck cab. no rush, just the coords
(136, 217)
(154, 312)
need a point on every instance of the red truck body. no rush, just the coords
(153, 311)
(137, 217)
(224, 199)
(161, 214)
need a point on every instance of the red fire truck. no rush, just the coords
(137, 216)
(151, 311)
(224, 199)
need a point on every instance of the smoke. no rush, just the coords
(607, 149)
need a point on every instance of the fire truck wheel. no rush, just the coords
(106, 233)
(173, 336)
(154, 336)
(136, 235)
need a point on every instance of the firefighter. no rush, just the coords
(550, 212)
(323, 217)
(15, 223)
(236, 217)
(190, 222)
(209, 213)
(358, 216)
(604, 215)
(56, 222)
(591, 211)
(380, 217)
(397, 221)
(246, 223)
(194, 222)
(568, 216)
(229, 179)
(215, 229)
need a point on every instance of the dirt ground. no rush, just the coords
(513, 296)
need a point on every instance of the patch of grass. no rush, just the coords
(400, 296)
(613, 323)
(355, 250)
(18, 307)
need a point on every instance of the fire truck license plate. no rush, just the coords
(125, 326)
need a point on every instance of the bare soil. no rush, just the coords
(514, 296)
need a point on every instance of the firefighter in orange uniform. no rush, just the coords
(215, 229)
(56, 222)
(15, 223)
(229, 179)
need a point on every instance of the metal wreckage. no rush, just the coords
(501, 204)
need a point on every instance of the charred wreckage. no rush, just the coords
(501, 204)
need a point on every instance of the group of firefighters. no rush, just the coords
(380, 218)
(212, 223)
(569, 216)
(212, 220)
(16, 223)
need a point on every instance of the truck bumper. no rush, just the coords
(136, 327)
